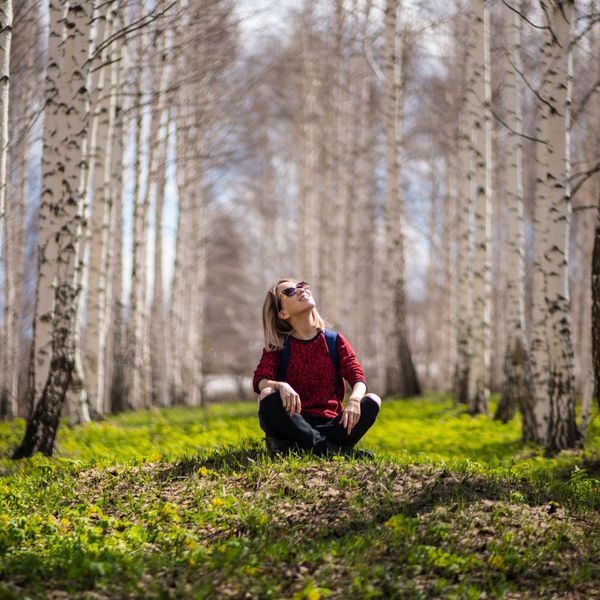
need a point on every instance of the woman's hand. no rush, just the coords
(351, 415)
(289, 398)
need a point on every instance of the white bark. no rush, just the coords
(339, 172)
(101, 105)
(448, 279)
(136, 321)
(156, 155)
(11, 222)
(362, 231)
(400, 376)
(158, 320)
(54, 128)
(309, 230)
(63, 242)
(5, 40)
(517, 383)
(115, 352)
(554, 390)
(478, 390)
(464, 314)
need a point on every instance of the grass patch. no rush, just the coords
(185, 503)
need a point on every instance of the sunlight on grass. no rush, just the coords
(186, 503)
(422, 430)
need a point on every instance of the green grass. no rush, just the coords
(185, 503)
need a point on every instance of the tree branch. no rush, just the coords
(523, 135)
(584, 177)
(523, 16)
(576, 113)
(535, 92)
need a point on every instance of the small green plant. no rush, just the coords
(186, 503)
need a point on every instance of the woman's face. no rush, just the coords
(301, 301)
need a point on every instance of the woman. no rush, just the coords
(301, 388)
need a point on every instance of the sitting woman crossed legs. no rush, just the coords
(300, 376)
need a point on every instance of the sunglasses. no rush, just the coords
(291, 291)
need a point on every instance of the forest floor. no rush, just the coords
(185, 503)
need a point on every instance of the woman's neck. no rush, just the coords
(304, 326)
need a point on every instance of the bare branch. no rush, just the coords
(577, 112)
(585, 175)
(144, 21)
(523, 135)
(535, 92)
(585, 207)
(523, 16)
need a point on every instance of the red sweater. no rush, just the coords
(311, 373)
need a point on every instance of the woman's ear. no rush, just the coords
(283, 315)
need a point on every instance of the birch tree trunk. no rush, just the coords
(596, 306)
(135, 338)
(589, 330)
(448, 279)
(115, 378)
(101, 138)
(158, 319)
(54, 127)
(11, 219)
(517, 371)
(328, 207)
(188, 299)
(198, 271)
(309, 234)
(176, 304)
(464, 314)
(5, 39)
(478, 392)
(155, 149)
(79, 391)
(401, 377)
(339, 162)
(554, 388)
(364, 221)
(44, 420)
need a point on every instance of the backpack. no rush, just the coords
(331, 338)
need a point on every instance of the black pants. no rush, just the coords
(308, 431)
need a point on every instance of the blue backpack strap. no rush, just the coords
(284, 359)
(331, 337)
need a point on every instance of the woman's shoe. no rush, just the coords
(278, 447)
(358, 453)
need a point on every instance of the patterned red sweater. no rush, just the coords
(311, 373)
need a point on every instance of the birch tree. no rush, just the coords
(136, 321)
(5, 40)
(400, 375)
(9, 222)
(309, 230)
(115, 376)
(70, 129)
(158, 318)
(553, 382)
(157, 154)
(102, 129)
(340, 172)
(54, 127)
(464, 233)
(480, 98)
(596, 306)
(517, 382)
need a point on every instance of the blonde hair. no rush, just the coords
(275, 328)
